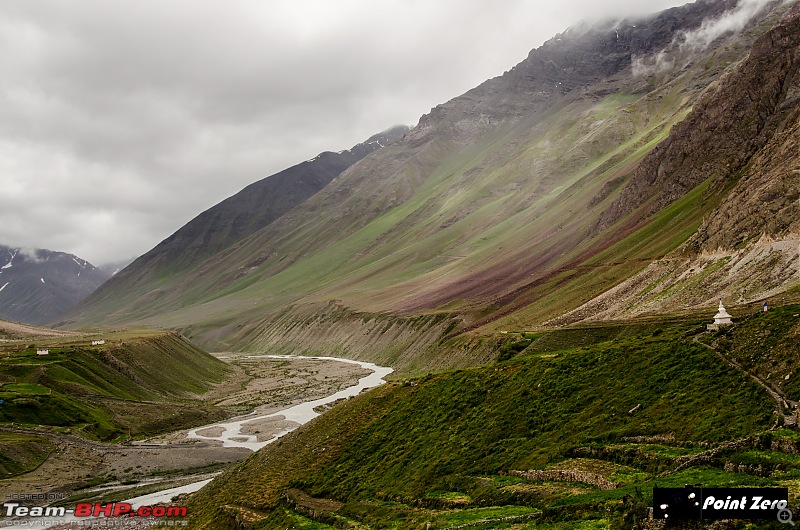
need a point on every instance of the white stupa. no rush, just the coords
(722, 318)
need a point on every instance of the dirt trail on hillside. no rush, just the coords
(784, 406)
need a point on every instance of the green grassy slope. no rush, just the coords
(137, 383)
(767, 345)
(236, 217)
(469, 215)
(606, 268)
(20, 453)
(630, 407)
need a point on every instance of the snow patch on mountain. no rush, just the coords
(10, 262)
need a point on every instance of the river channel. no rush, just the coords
(231, 433)
(232, 436)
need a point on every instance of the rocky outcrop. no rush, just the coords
(579, 61)
(766, 198)
(742, 137)
(735, 131)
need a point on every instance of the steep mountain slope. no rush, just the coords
(38, 286)
(244, 213)
(493, 209)
(742, 138)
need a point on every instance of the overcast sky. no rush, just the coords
(120, 121)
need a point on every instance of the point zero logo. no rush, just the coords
(692, 502)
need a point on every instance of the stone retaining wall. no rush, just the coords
(566, 475)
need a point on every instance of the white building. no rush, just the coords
(721, 319)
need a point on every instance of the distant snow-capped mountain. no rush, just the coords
(38, 285)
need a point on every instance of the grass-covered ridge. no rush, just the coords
(20, 453)
(632, 409)
(136, 383)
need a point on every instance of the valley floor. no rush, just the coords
(116, 471)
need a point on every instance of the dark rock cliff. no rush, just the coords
(727, 128)
(766, 198)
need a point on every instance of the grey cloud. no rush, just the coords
(734, 20)
(680, 51)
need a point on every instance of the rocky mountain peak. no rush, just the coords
(565, 66)
(382, 139)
